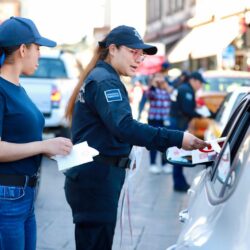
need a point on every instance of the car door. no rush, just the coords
(212, 216)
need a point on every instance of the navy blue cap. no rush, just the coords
(18, 30)
(129, 37)
(197, 76)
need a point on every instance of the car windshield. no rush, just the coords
(49, 68)
(225, 83)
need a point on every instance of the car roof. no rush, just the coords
(54, 53)
(242, 89)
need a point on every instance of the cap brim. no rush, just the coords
(42, 41)
(148, 49)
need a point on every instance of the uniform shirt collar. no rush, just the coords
(107, 66)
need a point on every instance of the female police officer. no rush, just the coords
(21, 126)
(101, 115)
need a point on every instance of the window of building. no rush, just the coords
(179, 5)
(153, 10)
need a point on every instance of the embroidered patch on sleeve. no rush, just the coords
(113, 95)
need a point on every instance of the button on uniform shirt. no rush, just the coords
(102, 117)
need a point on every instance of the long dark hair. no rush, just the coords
(100, 53)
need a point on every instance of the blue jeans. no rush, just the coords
(178, 176)
(17, 218)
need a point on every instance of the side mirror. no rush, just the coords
(180, 157)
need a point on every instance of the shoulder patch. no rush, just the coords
(113, 95)
(81, 95)
(189, 96)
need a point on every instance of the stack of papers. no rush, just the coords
(81, 153)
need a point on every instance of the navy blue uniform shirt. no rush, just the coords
(20, 122)
(185, 104)
(102, 117)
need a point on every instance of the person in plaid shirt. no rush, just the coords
(158, 95)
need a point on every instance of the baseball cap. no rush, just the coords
(18, 30)
(197, 76)
(127, 36)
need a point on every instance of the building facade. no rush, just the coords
(207, 34)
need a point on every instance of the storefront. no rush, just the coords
(205, 45)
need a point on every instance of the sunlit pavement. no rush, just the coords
(154, 209)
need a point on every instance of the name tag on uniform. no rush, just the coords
(113, 95)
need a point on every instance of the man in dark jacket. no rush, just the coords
(182, 111)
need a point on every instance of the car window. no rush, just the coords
(225, 83)
(50, 68)
(231, 160)
(222, 107)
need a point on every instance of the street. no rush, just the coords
(154, 209)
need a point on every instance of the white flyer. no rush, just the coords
(203, 111)
(80, 153)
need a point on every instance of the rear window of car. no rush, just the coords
(225, 83)
(50, 68)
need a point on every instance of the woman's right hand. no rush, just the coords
(190, 142)
(57, 146)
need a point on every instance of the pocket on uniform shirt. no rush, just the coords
(11, 192)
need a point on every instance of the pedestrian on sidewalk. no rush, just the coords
(101, 115)
(21, 127)
(182, 111)
(158, 95)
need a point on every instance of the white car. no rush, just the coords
(224, 112)
(51, 86)
(217, 216)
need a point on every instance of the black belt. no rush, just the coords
(120, 162)
(17, 180)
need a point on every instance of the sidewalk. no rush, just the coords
(154, 212)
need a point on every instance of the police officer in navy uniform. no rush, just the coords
(182, 111)
(101, 115)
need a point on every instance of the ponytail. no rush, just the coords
(99, 54)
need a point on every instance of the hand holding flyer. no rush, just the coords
(208, 154)
(80, 153)
(198, 155)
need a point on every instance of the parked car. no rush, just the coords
(219, 83)
(51, 86)
(217, 216)
(227, 107)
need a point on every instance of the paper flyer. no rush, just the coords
(80, 153)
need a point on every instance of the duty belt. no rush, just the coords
(120, 162)
(18, 180)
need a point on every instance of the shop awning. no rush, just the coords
(206, 40)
